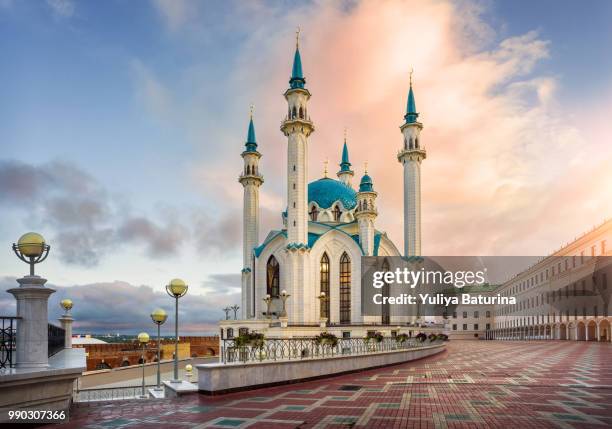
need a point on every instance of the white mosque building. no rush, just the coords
(328, 225)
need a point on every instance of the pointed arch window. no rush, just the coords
(314, 213)
(337, 213)
(386, 309)
(273, 277)
(301, 113)
(345, 289)
(325, 285)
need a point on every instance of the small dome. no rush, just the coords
(325, 192)
(366, 184)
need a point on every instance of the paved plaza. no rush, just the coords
(474, 384)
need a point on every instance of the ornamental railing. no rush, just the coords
(56, 339)
(273, 349)
(8, 337)
(119, 393)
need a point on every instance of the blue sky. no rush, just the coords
(147, 103)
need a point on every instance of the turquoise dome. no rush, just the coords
(325, 192)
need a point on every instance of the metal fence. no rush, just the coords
(309, 348)
(8, 335)
(110, 393)
(56, 339)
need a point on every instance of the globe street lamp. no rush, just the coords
(176, 288)
(323, 298)
(235, 308)
(159, 316)
(284, 296)
(143, 338)
(32, 304)
(268, 301)
(31, 249)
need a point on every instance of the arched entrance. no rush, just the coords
(571, 331)
(581, 332)
(562, 331)
(548, 332)
(604, 330)
(591, 331)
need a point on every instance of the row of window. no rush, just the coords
(598, 283)
(314, 213)
(273, 284)
(475, 327)
(540, 318)
(555, 269)
(476, 314)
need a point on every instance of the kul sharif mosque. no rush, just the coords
(328, 225)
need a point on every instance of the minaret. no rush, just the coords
(251, 180)
(411, 156)
(345, 174)
(297, 127)
(366, 213)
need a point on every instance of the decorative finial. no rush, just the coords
(344, 134)
(325, 167)
(251, 107)
(297, 38)
(411, 71)
(365, 167)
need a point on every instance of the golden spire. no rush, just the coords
(344, 134)
(411, 71)
(325, 167)
(297, 38)
(251, 107)
(365, 167)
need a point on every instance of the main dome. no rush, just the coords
(325, 192)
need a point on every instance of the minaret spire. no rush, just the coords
(251, 180)
(411, 113)
(297, 127)
(345, 174)
(411, 156)
(297, 76)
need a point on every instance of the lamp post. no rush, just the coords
(283, 315)
(159, 317)
(66, 321)
(322, 299)
(32, 304)
(31, 249)
(176, 289)
(268, 301)
(235, 308)
(227, 310)
(143, 338)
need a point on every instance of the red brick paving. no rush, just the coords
(474, 384)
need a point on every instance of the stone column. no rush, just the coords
(32, 329)
(66, 321)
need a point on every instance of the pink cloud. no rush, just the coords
(509, 169)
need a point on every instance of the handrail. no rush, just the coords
(56, 338)
(299, 348)
(8, 340)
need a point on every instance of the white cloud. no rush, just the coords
(62, 8)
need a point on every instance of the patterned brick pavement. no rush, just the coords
(473, 384)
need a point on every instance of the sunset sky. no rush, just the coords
(122, 123)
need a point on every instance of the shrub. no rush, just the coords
(326, 338)
(421, 336)
(401, 338)
(253, 339)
